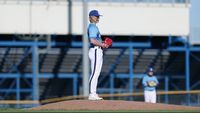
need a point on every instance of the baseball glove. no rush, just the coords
(108, 41)
(151, 83)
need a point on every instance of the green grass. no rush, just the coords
(91, 111)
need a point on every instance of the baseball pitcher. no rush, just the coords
(95, 53)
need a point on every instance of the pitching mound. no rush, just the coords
(110, 105)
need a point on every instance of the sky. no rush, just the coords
(195, 13)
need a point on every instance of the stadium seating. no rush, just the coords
(69, 60)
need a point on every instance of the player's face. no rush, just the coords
(94, 19)
(97, 19)
(150, 73)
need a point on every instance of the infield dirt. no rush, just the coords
(110, 105)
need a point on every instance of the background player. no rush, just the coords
(95, 54)
(150, 82)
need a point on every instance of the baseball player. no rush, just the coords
(95, 53)
(150, 82)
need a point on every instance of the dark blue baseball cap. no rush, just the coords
(94, 13)
(150, 69)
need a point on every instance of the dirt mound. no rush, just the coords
(110, 105)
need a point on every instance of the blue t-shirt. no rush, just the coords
(93, 32)
(147, 78)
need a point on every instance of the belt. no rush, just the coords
(150, 90)
(96, 47)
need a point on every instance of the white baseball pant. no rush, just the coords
(96, 59)
(150, 96)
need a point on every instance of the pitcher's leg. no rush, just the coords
(93, 59)
(97, 67)
(97, 74)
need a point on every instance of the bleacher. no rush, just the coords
(178, 61)
(69, 60)
(60, 61)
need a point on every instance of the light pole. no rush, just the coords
(85, 51)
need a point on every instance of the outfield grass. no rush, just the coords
(90, 111)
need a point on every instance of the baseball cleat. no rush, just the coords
(94, 97)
